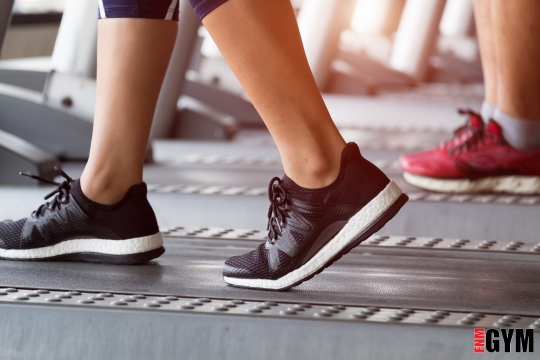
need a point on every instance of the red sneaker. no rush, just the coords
(476, 159)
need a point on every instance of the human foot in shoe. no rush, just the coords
(309, 229)
(476, 159)
(72, 227)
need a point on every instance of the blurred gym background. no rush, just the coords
(392, 72)
(363, 47)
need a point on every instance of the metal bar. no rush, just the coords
(416, 36)
(262, 309)
(415, 196)
(457, 19)
(321, 23)
(6, 9)
(173, 86)
(75, 49)
(438, 246)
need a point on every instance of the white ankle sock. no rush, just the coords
(487, 112)
(520, 133)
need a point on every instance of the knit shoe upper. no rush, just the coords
(72, 224)
(301, 221)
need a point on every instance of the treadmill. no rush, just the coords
(445, 265)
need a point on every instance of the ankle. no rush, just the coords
(106, 190)
(315, 172)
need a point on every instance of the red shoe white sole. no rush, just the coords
(515, 184)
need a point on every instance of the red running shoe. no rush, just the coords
(476, 159)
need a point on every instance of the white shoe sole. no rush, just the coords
(523, 185)
(95, 246)
(354, 228)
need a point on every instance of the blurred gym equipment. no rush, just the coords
(393, 72)
(44, 102)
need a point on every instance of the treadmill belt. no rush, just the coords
(361, 278)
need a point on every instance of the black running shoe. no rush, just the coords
(72, 227)
(309, 229)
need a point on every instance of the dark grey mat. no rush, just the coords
(193, 268)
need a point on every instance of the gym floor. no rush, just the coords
(445, 262)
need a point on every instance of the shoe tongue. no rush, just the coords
(476, 121)
(494, 128)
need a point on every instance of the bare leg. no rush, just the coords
(517, 34)
(484, 28)
(133, 55)
(262, 44)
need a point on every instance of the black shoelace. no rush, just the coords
(61, 192)
(277, 213)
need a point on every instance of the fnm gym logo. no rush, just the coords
(500, 340)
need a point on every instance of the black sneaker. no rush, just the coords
(72, 227)
(309, 229)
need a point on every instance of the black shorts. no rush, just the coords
(152, 9)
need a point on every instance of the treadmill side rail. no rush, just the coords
(18, 155)
(196, 120)
(24, 113)
(72, 94)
